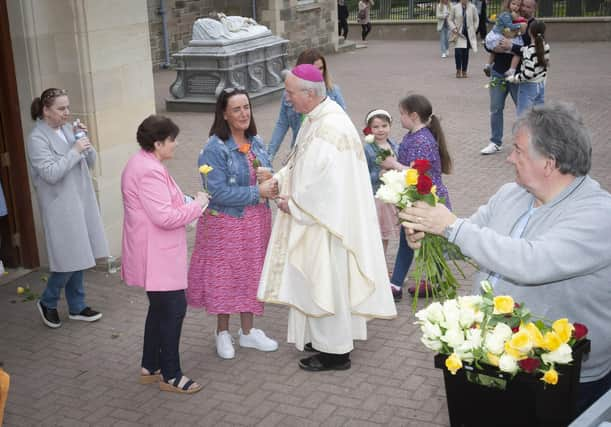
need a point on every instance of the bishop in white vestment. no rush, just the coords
(325, 258)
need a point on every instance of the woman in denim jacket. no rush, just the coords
(288, 117)
(232, 236)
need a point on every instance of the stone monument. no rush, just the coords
(227, 51)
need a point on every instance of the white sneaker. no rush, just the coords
(444, 55)
(491, 148)
(257, 339)
(224, 345)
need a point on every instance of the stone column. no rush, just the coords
(100, 52)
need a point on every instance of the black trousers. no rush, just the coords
(461, 57)
(342, 21)
(366, 30)
(162, 332)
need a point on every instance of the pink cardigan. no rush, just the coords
(154, 253)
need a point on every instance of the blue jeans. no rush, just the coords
(443, 39)
(403, 261)
(162, 331)
(461, 58)
(75, 293)
(498, 95)
(590, 392)
(529, 94)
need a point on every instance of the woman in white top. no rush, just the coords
(442, 11)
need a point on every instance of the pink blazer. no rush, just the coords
(154, 254)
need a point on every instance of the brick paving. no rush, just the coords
(86, 374)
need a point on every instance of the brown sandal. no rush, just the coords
(174, 385)
(150, 378)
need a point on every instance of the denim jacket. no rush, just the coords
(288, 117)
(229, 181)
(371, 151)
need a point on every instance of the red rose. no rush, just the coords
(422, 166)
(367, 131)
(424, 184)
(515, 329)
(529, 364)
(580, 330)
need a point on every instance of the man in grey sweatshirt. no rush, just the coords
(545, 239)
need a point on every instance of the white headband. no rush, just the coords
(378, 112)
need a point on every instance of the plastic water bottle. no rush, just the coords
(112, 264)
(78, 131)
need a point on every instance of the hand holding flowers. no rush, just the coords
(403, 189)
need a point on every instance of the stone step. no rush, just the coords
(345, 45)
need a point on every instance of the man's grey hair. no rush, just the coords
(317, 88)
(557, 131)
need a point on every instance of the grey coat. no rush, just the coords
(68, 206)
(561, 265)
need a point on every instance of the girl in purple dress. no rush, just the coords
(425, 140)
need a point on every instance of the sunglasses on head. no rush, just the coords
(53, 93)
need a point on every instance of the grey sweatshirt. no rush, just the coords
(560, 267)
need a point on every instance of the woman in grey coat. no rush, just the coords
(60, 156)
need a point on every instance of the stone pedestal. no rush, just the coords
(206, 67)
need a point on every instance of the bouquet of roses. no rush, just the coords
(381, 153)
(404, 188)
(495, 330)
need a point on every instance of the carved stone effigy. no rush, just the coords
(229, 51)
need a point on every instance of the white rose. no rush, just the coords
(494, 343)
(562, 354)
(503, 330)
(486, 286)
(430, 330)
(434, 345)
(454, 337)
(465, 352)
(369, 138)
(470, 301)
(466, 317)
(451, 314)
(387, 195)
(474, 338)
(435, 312)
(508, 364)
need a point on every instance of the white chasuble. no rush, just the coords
(325, 260)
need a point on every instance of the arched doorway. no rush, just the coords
(18, 239)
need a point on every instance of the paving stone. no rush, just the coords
(92, 368)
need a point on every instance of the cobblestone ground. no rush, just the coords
(86, 374)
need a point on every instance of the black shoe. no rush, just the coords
(308, 347)
(487, 71)
(87, 315)
(49, 315)
(397, 293)
(316, 364)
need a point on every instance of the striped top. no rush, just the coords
(531, 70)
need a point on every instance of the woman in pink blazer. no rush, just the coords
(155, 249)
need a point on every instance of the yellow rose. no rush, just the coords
(205, 169)
(551, 341)
(20, 290)
(453, 363)
(535, 334)
(411, 177)
(521, 342)
(503, 304)
(550, 377)
(514, 352)
(493, 359)
(564, 329)
(434, 190)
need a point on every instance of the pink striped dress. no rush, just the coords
(228, 258)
